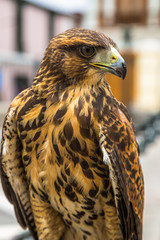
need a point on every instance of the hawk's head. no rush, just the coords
(78, 57)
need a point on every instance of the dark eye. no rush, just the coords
(87, 51)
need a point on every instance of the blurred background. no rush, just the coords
(26, 26)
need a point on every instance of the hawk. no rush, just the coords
(69, 158)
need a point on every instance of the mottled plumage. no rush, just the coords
(70, 162)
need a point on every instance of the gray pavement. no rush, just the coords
(150, 161)
(8, 222)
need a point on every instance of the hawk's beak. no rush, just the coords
(112, 63)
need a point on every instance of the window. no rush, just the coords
(21, 83)
(122, 12)
(129, 11)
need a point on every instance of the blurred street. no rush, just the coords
(150, 161)
(8, 223)
(151, 167)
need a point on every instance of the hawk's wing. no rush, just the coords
(13, 174)
(120, 152)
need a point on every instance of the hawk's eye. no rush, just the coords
(87, 51)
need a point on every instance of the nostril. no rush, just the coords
(114, 58)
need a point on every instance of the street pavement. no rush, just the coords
(150, 161)
(8, 223)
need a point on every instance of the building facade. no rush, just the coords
(26, 27)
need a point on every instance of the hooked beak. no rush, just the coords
(111, 62)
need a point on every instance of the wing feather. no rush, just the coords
(118, 140)
(12, 173)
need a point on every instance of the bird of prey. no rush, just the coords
(69, 158)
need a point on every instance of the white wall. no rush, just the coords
(7, 25)
(35, 30)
